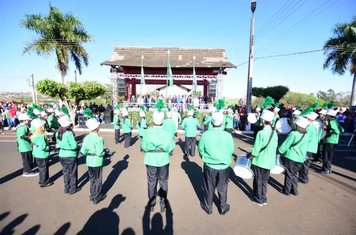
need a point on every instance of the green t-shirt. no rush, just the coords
(333, 132)
(297, 152)
(157, 144)
(116, 122)
(265, 159)
(40, 146)
(190, 125)
(216, 148)
(170, 125)
(68, 145)
(23, 145)
(93, 148)
(126, 126)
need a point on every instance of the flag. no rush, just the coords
(194, 76)
(142, 73)
(169, 71)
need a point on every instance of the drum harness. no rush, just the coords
(264, 147)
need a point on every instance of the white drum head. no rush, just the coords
(277, 170)
(282, 126)
(243, 172)
(251, 118)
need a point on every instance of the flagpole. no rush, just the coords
(194, 77)
(142, 76)
(168, 65)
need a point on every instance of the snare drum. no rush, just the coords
(279, 168)
(242, 168)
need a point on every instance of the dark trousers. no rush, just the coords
(127, 139)
(260, 182)
(319, 155)
(304, 170)
(328, 155)
(42, 164)
(117, 136)
(96, 182)
(215, 179)
(154, 175)
(291, 176)
(190, 143)
(69, 169)
(27, 161)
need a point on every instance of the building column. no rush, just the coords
(205, 89)
(133, 87)
(128, 90)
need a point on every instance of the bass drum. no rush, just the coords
(279, 168)
(282, 126)
(251, 118)
(242, 168)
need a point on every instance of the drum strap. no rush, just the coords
(295, 144)
(269, 140)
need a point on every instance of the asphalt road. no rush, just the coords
(327, 205)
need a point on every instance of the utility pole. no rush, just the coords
(75, 76)
(250, 60)
(31, 83)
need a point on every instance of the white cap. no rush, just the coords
(158, 117)
(169, 114)
(175, 109)
(24, 116)
(331, 112)
(230, 111)
(312, 116)
(65, 121)
(36, 111)
(43, 114)
(190, 112)
(116, 111)
(36, 123)
(258, 109)
(267, 115)
(323, 111)
(276, 109)
(296, 112)
(302, 122)
(217, 118)
(142, 113)
(92, 124)
(50, 110)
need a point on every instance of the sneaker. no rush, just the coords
(265, 203)
(32, 174)
(259, 204)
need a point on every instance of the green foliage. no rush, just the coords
(276, 92)
(75, 91)
(135, 118)
(295, 98)
(52, 89)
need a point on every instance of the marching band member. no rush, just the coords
(216, 148)
(229, 121)
(158, 145)
(68, 154)
(264, 157)
(126, 127)
(142, 124)
(190, 126)
(41, 152)
(294, 149)
(116, 121)
(169, 124)
(176, 117)
(93, 149)
(312, 146)
(333, 130)
(24, 145)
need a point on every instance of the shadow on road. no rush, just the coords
(181, 144)
(128, 231)
(245, 188)
(118, 168)
(275, 184)
(155, 226)
(104, 221)
(11, 176)
(194, 172)
(83, 179)
(10, 227)
(63, 229)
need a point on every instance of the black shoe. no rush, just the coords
(76, 190)
(223, 212)
(102, 197)
(325, 172)
(285, 193)
(295, 194)
(205, 209)
(46, 184)
(304, 181)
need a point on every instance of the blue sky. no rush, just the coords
(281, 27)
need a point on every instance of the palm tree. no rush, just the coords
(59, 33)
(340, 52)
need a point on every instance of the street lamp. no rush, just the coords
(250, 60)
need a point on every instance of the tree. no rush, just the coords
(295, 98)
(340, 52)
(60, 33)
(276, 92)
(71, 95)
